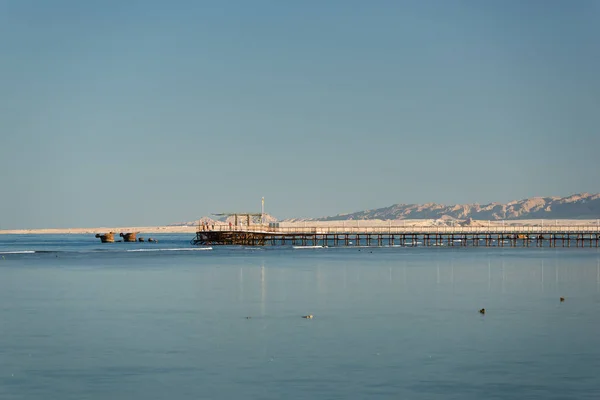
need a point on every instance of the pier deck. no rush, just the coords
(510, 236)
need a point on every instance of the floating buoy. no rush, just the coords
(309, 316)
(482, 311)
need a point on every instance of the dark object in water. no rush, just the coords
(140, 239)
(107, 237)
(482, 311)
(128, 237)
(309, 316)
(562, 299)
(152, 240)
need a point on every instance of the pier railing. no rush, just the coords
(411, 230)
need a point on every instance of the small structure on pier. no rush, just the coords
(107, 237)
(238, 217)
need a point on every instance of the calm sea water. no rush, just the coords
(84, 320)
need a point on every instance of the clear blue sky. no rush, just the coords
(116, 113)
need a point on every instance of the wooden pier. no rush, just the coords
(378, 236)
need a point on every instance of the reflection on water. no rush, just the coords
(489, 275)
(263, 290)
(503, 277)
(241, 284)
(542, 273)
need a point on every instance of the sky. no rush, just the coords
(136, 113)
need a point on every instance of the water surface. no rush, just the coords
(84, 320)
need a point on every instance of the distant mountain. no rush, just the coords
(577, 206)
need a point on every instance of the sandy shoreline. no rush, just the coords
(362, 223)
(80, 231)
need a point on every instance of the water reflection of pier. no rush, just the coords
(499, 274)
(262, 285)
(488, 275)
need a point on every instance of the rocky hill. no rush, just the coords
(577, 206)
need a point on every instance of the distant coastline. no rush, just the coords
(363, 223)
(574, 210)
(93, 231)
